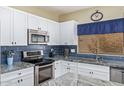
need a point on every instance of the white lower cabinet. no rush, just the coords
(24, 77)
(27, 80)
(57, 69)
(94, 71)
(62, 67)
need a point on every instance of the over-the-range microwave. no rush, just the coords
(37, 37)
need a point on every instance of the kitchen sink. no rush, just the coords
(88, 60)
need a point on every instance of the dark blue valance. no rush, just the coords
(103, 27)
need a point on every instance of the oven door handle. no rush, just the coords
(44, 66)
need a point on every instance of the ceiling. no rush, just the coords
(63, 9)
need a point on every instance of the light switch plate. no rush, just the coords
(72, 50)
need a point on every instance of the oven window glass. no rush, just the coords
(45, 73)
(37, 38)
(34, 38)
(41, 39)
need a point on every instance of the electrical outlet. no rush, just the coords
(73, 50)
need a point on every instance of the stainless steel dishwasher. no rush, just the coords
(117, 74)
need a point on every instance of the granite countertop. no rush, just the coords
(111, 63)
(71, 79)
(16, 66)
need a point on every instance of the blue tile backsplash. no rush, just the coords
(19, 49)
(59, 50)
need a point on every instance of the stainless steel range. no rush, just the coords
(43, 67)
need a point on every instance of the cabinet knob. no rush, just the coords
(55, 68)
(12, 43)
(68, 68)
(18, 81)
(15, 42)
(19, 73)
(21, 80)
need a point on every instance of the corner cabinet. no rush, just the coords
(68, 33)
(24, 77)
(62, 67)
(54, 33)
(13, 27)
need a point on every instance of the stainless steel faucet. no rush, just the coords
(99, 58)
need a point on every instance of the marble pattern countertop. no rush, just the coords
(110, 63)
(71, 79)
(4, 68)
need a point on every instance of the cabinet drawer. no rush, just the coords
(94, 67)
(73, 64)
(16, 74)
(27, 80)
(57, 62)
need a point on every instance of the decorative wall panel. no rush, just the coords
(87, 43)
(110, 43)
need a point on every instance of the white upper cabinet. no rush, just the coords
(13, 27)
(5, 26)
(68, 33)
(43, 25)
(33, 22)
(20, 28)
(54, 33)
(37, 23)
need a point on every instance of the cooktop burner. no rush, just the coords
(35, 57)
(41, 61)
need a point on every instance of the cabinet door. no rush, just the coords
(12, 82)
(73, 67)
(27, 80)
(20, 28)
(68, 33)
(84, 72)
(63, 35)
(43, 25)
(65, 67)
(33, 22)
(53, 30)
(57, 69)
(6, 26)
(101, 75)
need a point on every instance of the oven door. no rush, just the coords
(43, 73)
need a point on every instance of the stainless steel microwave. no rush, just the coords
(37, 37)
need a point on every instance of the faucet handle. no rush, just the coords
(99, 58)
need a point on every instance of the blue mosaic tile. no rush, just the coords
(59, 50)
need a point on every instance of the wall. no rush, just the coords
(83, 16)
(38, 11)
